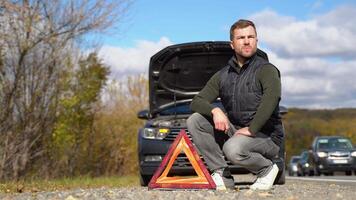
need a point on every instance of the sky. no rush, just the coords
(311, 42)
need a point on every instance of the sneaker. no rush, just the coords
(222, 182)
(266, 182)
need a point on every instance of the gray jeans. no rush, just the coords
(252, 153)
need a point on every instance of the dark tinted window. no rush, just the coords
(304, 155)
(294, 160)
(334, 143)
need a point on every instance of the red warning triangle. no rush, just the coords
(160, 179)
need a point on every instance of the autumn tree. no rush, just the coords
(38, 43)
(72, 141)
(116, 125)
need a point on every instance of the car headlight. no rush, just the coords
(353, 154)
(306, 165)
(322, 154)
(155, 133)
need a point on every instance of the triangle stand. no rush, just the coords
(161, 180)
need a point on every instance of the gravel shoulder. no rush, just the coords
(292, 190)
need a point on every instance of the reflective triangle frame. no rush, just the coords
(160, 180)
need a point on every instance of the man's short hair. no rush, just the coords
(242, 23)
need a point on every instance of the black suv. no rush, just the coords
(333, 153)
(176, 74)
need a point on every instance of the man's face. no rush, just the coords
(244, 42)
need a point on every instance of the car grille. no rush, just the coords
(174, 133)
(341, 155)
(183, 161)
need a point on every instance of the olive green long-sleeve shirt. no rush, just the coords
(267, 76)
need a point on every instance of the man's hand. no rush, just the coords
(244, 131)
(221, 122)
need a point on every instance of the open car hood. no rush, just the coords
(178, 72)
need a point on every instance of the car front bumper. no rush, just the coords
(332, 165)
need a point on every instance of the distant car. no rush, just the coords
(176, 74)
(292, 166)
(305, 165)
(333, 153)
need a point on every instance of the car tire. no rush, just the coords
(316, 172)
(311, 173)
(302, 173)
(329, 173)
(348, 173)
(281, 177)
(145, 179)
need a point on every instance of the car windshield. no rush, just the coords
(294, 160)
(304, 155)
(182, 108)
(334, 143)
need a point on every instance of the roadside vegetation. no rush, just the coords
(68, 184)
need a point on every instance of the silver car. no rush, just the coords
(293, 166)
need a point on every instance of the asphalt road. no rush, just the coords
(292, 190)
(296, 188)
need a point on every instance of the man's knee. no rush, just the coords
(193, 120)
(234, 151)
(198, 124)
(197, 121)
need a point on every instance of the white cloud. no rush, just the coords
(123, 61)
(331, 34)
(316, 57)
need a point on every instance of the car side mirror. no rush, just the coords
(143, 114)
(283, 110)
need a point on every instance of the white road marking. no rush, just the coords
(322, 179)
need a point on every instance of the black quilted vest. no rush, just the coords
(241, 95)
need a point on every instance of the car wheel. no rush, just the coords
(311, 173)
(316, 172)
(348, 173)
(145, 179)
(329, 173)
(281, 177)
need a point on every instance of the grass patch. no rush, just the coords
(67, 184)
